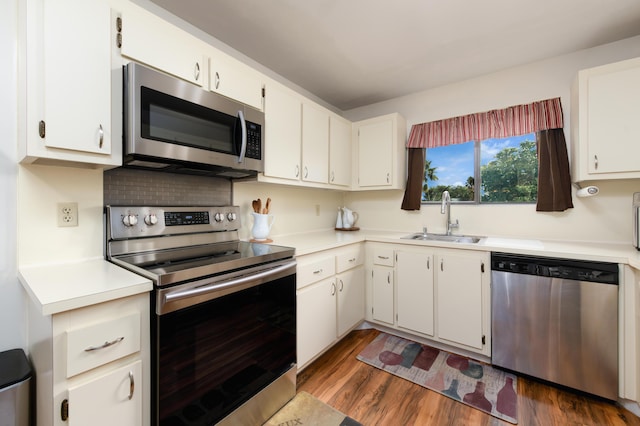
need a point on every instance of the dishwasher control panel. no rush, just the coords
(569, 269)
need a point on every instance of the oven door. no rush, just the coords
(220, 341)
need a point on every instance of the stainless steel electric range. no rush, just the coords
(223, 313)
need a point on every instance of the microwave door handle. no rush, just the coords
(243, 125)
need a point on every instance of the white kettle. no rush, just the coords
(349, 218)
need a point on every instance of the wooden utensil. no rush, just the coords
(254, 205)
(268, 206)
(259, 206)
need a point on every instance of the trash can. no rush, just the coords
(15, 388)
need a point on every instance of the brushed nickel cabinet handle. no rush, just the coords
(101, 133)
(595, 161)
(333, 289)
(196, 71)
(132, 385)
(104, 345)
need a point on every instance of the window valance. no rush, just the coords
(499, 123)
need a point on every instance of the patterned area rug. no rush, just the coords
(474, 383)
(304, 409)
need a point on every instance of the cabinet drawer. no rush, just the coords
(349, 259)
(100, 343)
(383, 257)
(315, 271)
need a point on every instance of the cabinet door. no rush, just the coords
(77, 93)
(112, 399)
(459, 299)
(235, 80)
(315, 143)
(351, 297)
(414, 281)
(148, 39)
(375, 153)
(613, 111)
(283, 132)
(382, 294)
(316, 313)
(339, 151)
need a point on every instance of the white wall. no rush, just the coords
(294, 209)
(12, 301)
(606, 217)
(40, 189)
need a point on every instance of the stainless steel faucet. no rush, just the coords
(446, 206)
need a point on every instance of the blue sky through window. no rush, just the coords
(454, 163)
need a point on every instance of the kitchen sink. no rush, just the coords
(468, 239)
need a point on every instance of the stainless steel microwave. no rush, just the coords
(175, 126)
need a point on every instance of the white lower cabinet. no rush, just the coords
(460, 296)
(350, 288)
(113, 394)
(92, 364)
(317, 319)
(435, 293)
(383, 291)
(330, 299)
(415, 287)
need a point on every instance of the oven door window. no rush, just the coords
(169, 119)
(211, 356)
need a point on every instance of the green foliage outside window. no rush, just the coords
(508, 172)
(512, 177)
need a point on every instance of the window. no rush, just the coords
(500, 170)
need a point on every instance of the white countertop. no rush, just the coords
(306, 243)
(62, 287)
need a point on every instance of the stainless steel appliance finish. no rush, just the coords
(635, 214)
(175, 126)
(223, 330)
(557, 320)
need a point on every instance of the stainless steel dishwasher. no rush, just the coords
(557, 320)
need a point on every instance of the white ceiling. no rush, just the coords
(357, 52)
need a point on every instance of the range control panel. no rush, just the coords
(125, 222)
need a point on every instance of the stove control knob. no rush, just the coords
(130, 220)
(219, 217)
(151, 219)
(231, 217)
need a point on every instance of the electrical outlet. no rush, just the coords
(67, 214)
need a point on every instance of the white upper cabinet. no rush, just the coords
(315, 143)
(283, 133)
(235, 80)
(605, 110)
(150, 40)
(380, 147)
(339, 151)
(68, 102)
(305, 143)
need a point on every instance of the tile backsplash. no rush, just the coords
(142, 187)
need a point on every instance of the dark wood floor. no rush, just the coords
(374, 397)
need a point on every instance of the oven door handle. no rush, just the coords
(242, 282)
